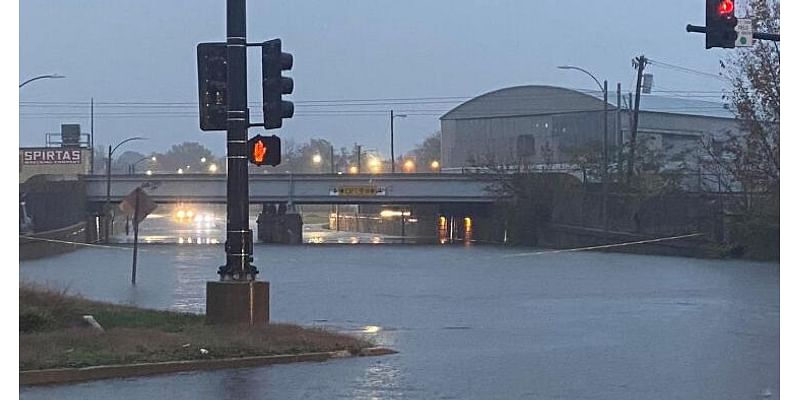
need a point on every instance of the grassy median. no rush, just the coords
(53, 334)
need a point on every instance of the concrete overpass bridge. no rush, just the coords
(301, 188)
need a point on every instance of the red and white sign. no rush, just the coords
(51, 156)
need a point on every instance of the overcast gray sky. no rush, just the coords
(143, 51)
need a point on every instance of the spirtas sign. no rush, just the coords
(50, 156)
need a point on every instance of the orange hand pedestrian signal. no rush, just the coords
(259, 151)
(263, 150)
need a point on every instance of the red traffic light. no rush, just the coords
(264, 150)
(725, 8)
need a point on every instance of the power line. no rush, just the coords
(323, 103)
(684, 69)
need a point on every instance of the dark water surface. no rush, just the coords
(469, 322)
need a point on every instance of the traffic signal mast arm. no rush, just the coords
(775, 37)
(724, 30)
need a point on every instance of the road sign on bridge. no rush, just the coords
(358, 191)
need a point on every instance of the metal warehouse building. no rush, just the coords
(546, 124)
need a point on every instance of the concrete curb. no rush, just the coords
(71, 375)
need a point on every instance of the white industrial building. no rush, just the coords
(536, 125)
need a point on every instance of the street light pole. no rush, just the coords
(107, 210)
(604, 88)
(52, 76)
(391, 135)
(605, 154)
(108, 185)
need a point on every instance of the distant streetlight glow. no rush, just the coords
(374, 164)
(408, 166)
(212, 168)
(180, 170)
(203, 160)
(353, 169)
(149, 172)
(316, 159)
(434, 165)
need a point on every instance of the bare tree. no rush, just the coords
(749, 164)
(428, 151)
(753, 159)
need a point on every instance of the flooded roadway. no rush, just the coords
(471, 322)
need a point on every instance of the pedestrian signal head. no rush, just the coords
(264, 150)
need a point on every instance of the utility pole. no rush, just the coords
(333, 165)
(91, 135)
(392, 116)
(358, 157)
(391, 136)
(239, 238)
(639, 62)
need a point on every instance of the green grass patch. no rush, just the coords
(54, 335)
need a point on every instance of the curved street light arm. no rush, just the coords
(126, 141)
(585, 72)
(54, 76)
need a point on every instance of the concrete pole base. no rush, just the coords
(237, 303)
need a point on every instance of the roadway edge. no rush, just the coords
(71, 375)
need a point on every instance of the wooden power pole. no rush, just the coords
(638, 62)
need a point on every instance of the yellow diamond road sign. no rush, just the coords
(137, 199)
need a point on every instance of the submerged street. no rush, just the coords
(469, 322)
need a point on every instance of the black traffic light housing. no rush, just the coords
(264, 150)
(212, 82)
(274, 84)
(721, 24)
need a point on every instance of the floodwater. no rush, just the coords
(469, 322)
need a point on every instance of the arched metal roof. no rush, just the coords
(526, 100)
(542, 100)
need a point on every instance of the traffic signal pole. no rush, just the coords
(238, 298)
(239, 238)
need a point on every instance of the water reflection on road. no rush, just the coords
(469, 322)
(206, 227)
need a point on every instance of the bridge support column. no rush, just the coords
(279, 227)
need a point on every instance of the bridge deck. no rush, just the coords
(300, 188)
